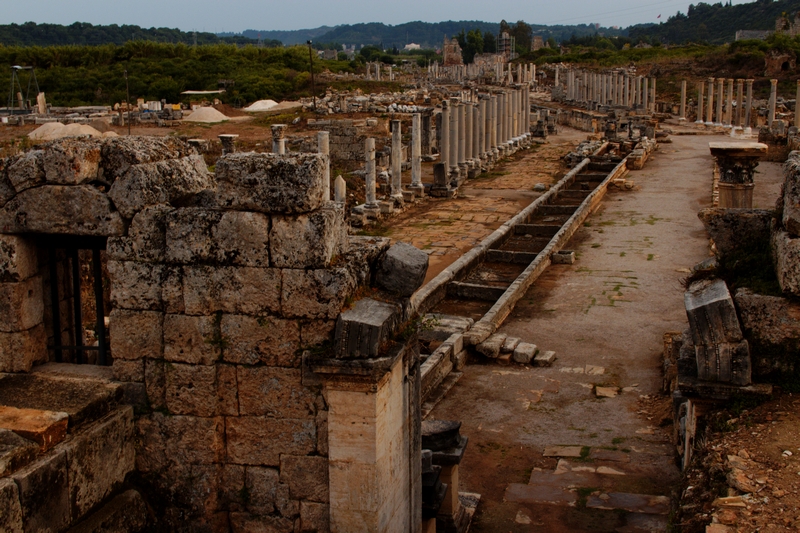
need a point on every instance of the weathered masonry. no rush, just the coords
(227, 406)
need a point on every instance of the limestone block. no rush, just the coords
(772, 327)
(362, 330)
(172, 289)
(402, 269)
(314, 517)
(191, 389)
(155, 383)
(736, 230)
(269, 340)
(26, 170)
(524, 353)
(270, 183)
(316, 332)
(128, 371)
(46, 428)
(247, 523)
(305, 241)
(61, 209)
(21, 305)
(273, 391)
(238, 290)
(166, 440)
(146, 239)
(306, 476)
(118, 154)
(163, 182)
(18, 259)
(791, 195)
(10, 510)
(315, 293)
(71, 161)
(262, 487)
(19, 351)
(491, 346)
(786, 251)
(44, 493)
(136, 334)
(232, 493)
(725, 361)
(15, 452)
(99, 458)
(192, 339)
(125, 513)
(210, 236)
(260, 440)
(136, 285)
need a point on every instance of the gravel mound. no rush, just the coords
(261, 105)
(56, 130)
(206, 114)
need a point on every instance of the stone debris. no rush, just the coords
(524, 352)
(402, 269)
(510, 344)
(545, 358)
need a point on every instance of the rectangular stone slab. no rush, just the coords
(47, 428)
(737, 149)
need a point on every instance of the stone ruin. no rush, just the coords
(239, 396)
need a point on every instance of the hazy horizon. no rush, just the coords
(240, 15)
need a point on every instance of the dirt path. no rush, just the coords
(605, 317)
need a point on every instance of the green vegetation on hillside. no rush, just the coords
(93, 75)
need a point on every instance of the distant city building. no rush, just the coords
(412, 46)
(451, 53)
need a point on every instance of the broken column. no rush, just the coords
(397, 162)
(748, 107)
(773, 98)
(710, 103)
(645, 95)
(443, 439)
(228, 141)
(720, 100)
(416, 155)
(371, 201)
(340, 190)
(739, 102)
(278, 140)
(682, 112)
(700, 98)
(323, 147)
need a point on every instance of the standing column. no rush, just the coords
(323, 147)
(625, 90)
(526, 101)
(555, 82)
(501, 119)
(397, 160)
(477, 131)
(416, 153)
(796, 108)
(645, 95)
(369, 151)
(682, 113)
(710, 103)
(652, 95)
(638, 96)
(468, 133)
(482, 137)
(462, 133)
(729, 104)
(453, 158)
(701, 89)
(493, 124)
(773, 98)
(739, 102)
(444, 136)
(749, 107)
(603, 90)
(720, 98)
(278, 139)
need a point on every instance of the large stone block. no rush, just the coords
(26, 170)
(262, 488)
(155, 383)
(273, 391)
(146, 239)
(192, 339)
(402, 269)
(221, 237)
(269, 340)
(71, 161)
(7, 191)
(19, 351)
(163, 441)
(99, 458)
(791, 195)
(18, 258)
(125, 513)
(136, 285)
(786, 252)
(15, 452)
(120, 153)
(260, 440)
(306, 476)
(362, 330)
(191, 389)
(172, 289)
(10, 510)
(61, 209)
(232, 494)
(314, 517)
(237, 290)
(315, 293)
(21, 305)
(136, 334)
(305, 241)
(163, 182)
(270, 183)
(737, 230)
(44, 493)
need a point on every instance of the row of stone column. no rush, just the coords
(616, 88)
(481, 128)
(722, 114)
(504, 73)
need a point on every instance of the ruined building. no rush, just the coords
(451, 53)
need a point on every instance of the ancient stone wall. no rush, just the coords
(218, 285)
(346, 138)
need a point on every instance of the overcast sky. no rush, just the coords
(238, 15)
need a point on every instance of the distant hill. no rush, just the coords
(715, 23)
(288, 38)
(82, 33)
